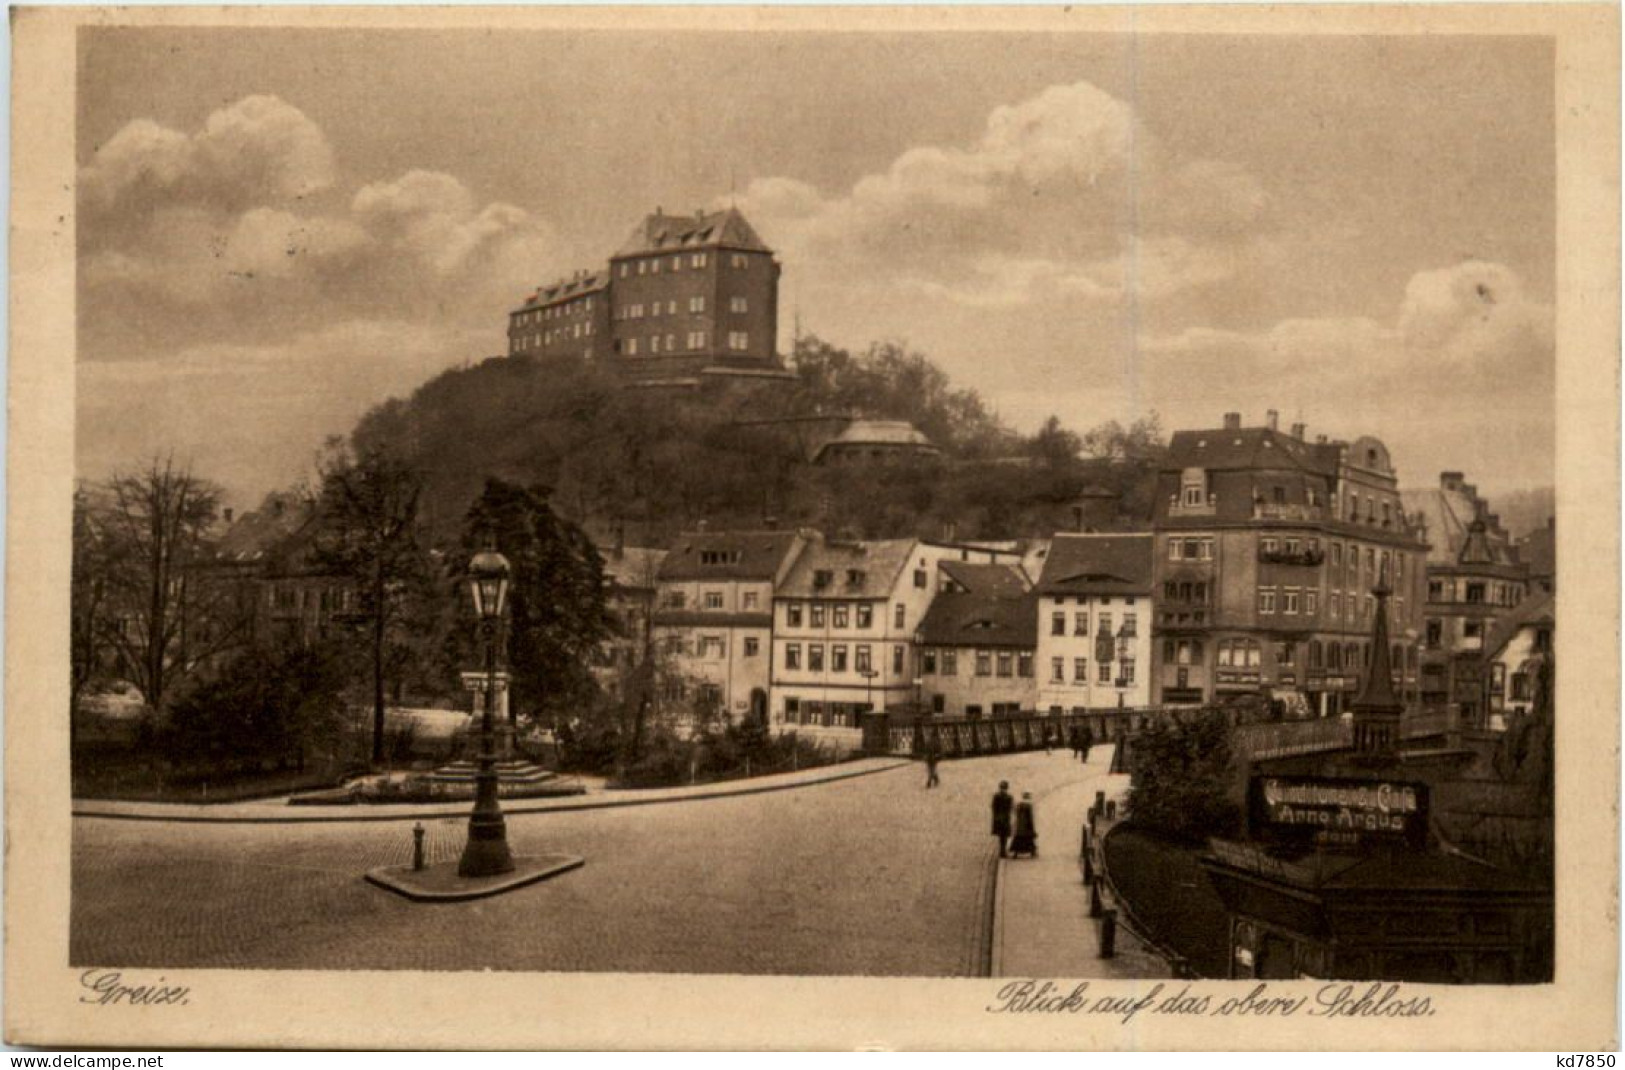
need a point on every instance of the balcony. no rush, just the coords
(1309, 558)
(1285, 511)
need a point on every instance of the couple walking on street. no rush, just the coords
(1013, 823)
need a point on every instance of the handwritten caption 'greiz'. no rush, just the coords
(107, 988)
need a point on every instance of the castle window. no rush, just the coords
(738, 340)
(737, 260)
(677, 263)
(654, 344)
(671, 308)
(696, 304)
(631, 347)
(642, 267)
(738, 304)
(697, 260)
(671, 343)
(654, 266)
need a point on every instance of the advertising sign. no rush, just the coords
(1339, 813)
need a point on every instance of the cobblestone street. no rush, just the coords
(873, 875)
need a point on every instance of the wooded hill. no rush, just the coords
(646, 464)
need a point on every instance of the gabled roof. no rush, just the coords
(1097, 564)
(661, 233)
(728, 555)
(965, 618)
(1449, 513)
(1538, 610)
(1245, 448)
(836, 569)
(266, 532)
(1004, 581)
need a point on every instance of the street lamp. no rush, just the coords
(487, 854)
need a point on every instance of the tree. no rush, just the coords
(93, 561)
(1182, 777)
(160, 608)
(269, 701)
(1055, 446)
(368, 531)
(557, 617)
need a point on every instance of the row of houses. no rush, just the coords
(1257, 576)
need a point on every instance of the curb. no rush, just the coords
(462, 811)
(993, 957)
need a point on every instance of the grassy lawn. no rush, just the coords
(1170, 895)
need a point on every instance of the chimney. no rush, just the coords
(1232, 421)
(1272, 419)
(1450, 480)
(1298, 430)
(1320, 440)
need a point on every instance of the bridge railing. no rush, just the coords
(962, 737)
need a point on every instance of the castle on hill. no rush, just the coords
(686, 300)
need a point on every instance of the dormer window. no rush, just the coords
(854, 577)
(823, 577)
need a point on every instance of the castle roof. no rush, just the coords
(664, 233)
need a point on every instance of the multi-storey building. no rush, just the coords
(1474, 579)
(1268, 549)
(1093, 620)
(1515, 652)
(685, 299)
(844, 629)
(713, 618)
(977, 642)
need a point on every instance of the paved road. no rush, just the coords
(869, 876)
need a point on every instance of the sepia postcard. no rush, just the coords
(824, 527)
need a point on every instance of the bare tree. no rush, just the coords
(368, 530)
(156, 605)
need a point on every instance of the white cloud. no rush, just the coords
(1065, 192)
(189, 238)
(1461, 378)
(260, 150)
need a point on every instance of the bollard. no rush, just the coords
(417, 845)
(1095, 905)
(1088, 867)
(1111, 809)
(1093, 814)
(1108, 934)
(1083, 846)
(1100, 800)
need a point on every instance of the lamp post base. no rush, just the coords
(486, 853)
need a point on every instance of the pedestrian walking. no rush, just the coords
(932, 756)
(1049, 738)
(1025, 840)
(1086, 742)
(1003, 804)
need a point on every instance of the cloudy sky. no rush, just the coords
(280, 228)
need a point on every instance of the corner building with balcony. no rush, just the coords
(686, 300)
(1267, 550)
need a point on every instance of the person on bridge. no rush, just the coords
(1025, 840)
(1086, 740)
(932, 757)
(1003, 804)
